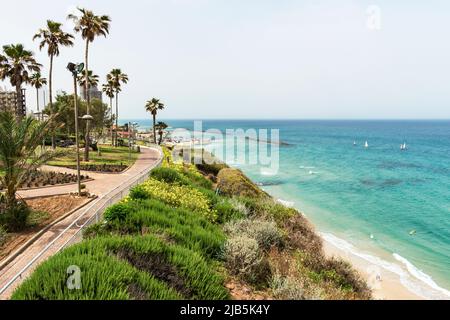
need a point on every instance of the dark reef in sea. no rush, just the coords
(386, 183)
(397, 165)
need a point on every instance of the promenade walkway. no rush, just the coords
(58, 235)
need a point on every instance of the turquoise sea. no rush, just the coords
(391, 204)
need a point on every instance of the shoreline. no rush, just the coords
(390, 286)
(400, 279)
(389, 280)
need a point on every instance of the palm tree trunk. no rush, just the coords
(37, 101)
(19, 105)
(154, 128)
(117, 116)
(10, 196)
(112, 120)
(50, 95)
(88, 100)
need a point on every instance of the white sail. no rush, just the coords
(367, 144)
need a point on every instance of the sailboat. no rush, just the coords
(403, 147)
(354, 143)
(366, 145)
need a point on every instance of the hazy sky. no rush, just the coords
(258, 58)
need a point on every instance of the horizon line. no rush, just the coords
(293, 119)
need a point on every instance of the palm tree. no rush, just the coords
(92, 80)
(15, 64)
(90, 26)
(117, 78)
(161, 126)
(153, 106)
(108, 89)
(53, 37)
(37, 82)
(20, 139)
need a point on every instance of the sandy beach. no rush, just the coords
(390, 286)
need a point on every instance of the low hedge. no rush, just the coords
(125, 268)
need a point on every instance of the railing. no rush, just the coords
(90, 215)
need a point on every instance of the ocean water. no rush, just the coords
(388, 205)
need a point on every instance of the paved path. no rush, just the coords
(101, 186)
(102, 183)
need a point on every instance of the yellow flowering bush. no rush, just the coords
(180, 196)
(179, 166)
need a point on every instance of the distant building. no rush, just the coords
(8, 101)
(94, 93)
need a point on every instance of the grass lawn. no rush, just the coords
(109, 156)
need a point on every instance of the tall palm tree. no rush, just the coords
(90, 26)
(37, 81)
(108, 89)
(153, 106)
(117, 78)
(53, 37)
(90, 82)
(161, 126)
(15, 64)
(18, 145)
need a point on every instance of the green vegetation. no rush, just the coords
(153, 106)
(52, 37)
(109, 156)
(90, 26)
(232, 182)
(19, 158)
(16, 64)
(176, 236)
(63, 111)
(114, 268)
(115, 79)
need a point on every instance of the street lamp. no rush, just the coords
(87, 117)
(76, 69)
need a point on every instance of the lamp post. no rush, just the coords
(75, 70)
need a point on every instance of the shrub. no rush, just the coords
(175, 225)
(213, 168)
(122, 268)
(233, 182)
(242, 254)
(168, 175)
(342, 274)
(301, 235)
(268, 208)
(37, 217)
(139, 193)
(226, 211)
(239, 206)
(287, 288)
(3, 235)
(15, 217)
(198, 179)
(265, 233)
(117, 212)
(180, 196)
(179, 225)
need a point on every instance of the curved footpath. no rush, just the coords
(101, 186)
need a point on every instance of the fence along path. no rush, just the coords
(112, 189)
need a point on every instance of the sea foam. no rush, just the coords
(411, 277)
(288, 204)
